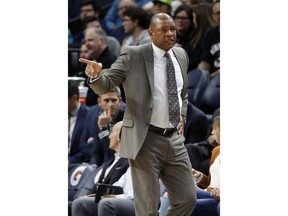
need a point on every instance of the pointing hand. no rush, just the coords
(93, 68)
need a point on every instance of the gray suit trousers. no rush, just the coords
(165, 158)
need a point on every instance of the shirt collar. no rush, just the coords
(117, 156)
(159, 53)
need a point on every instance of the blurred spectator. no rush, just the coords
(114, 171)
(99, 122)
(184, 26)
(88, 10)
(87, 22)
(202, 20)
(161, 6)
(76, 119)
(114, 21)
(112, 42)
(216, 12)
(84, 53)
(113, 18)
(135, 23)
(96, 43)
(210, 59)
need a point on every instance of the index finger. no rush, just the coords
(109, 112)
(86, 61)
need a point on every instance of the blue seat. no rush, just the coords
(81, 179)
(210, 99)
(197, 82)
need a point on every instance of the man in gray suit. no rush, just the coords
(154, 147)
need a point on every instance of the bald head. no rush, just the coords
(162, 31)
(159, 17)
(117, 127)
(115, 137)
(95, 41)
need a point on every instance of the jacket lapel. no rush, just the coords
(149, 61)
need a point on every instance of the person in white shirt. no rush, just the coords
(135, 23)
(86, 206)
(121, 204)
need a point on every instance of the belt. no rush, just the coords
(162, 131)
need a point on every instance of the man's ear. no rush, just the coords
(98, 100)
(150, 32)
(120, 133)
(137, 21)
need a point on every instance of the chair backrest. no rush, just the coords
(210, 99)
(81, 179)
(197, 125)
(197, 82)
(113, 45)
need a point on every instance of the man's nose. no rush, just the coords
(170, 33)
(110, 103)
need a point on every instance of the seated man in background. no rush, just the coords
(96, 43)
(135, 23)
(99, 122)
(76, 120)
(87, 206)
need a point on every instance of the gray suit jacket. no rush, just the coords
(135, 69)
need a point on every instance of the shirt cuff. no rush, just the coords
(103, 134)
(92, 80)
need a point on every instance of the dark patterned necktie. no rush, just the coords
(174, 108)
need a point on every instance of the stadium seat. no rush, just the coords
(197, 82)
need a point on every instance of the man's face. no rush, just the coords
(84, 52)
(72, 103)
(114, 138)
(216, 13)
(128, 25)
(87, 11)
(182, 21)
(163, 34)
(110, 101)
(93, 42)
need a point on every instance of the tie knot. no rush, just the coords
(167, 55)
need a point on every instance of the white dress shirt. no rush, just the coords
(126, 183)
(160, 113)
